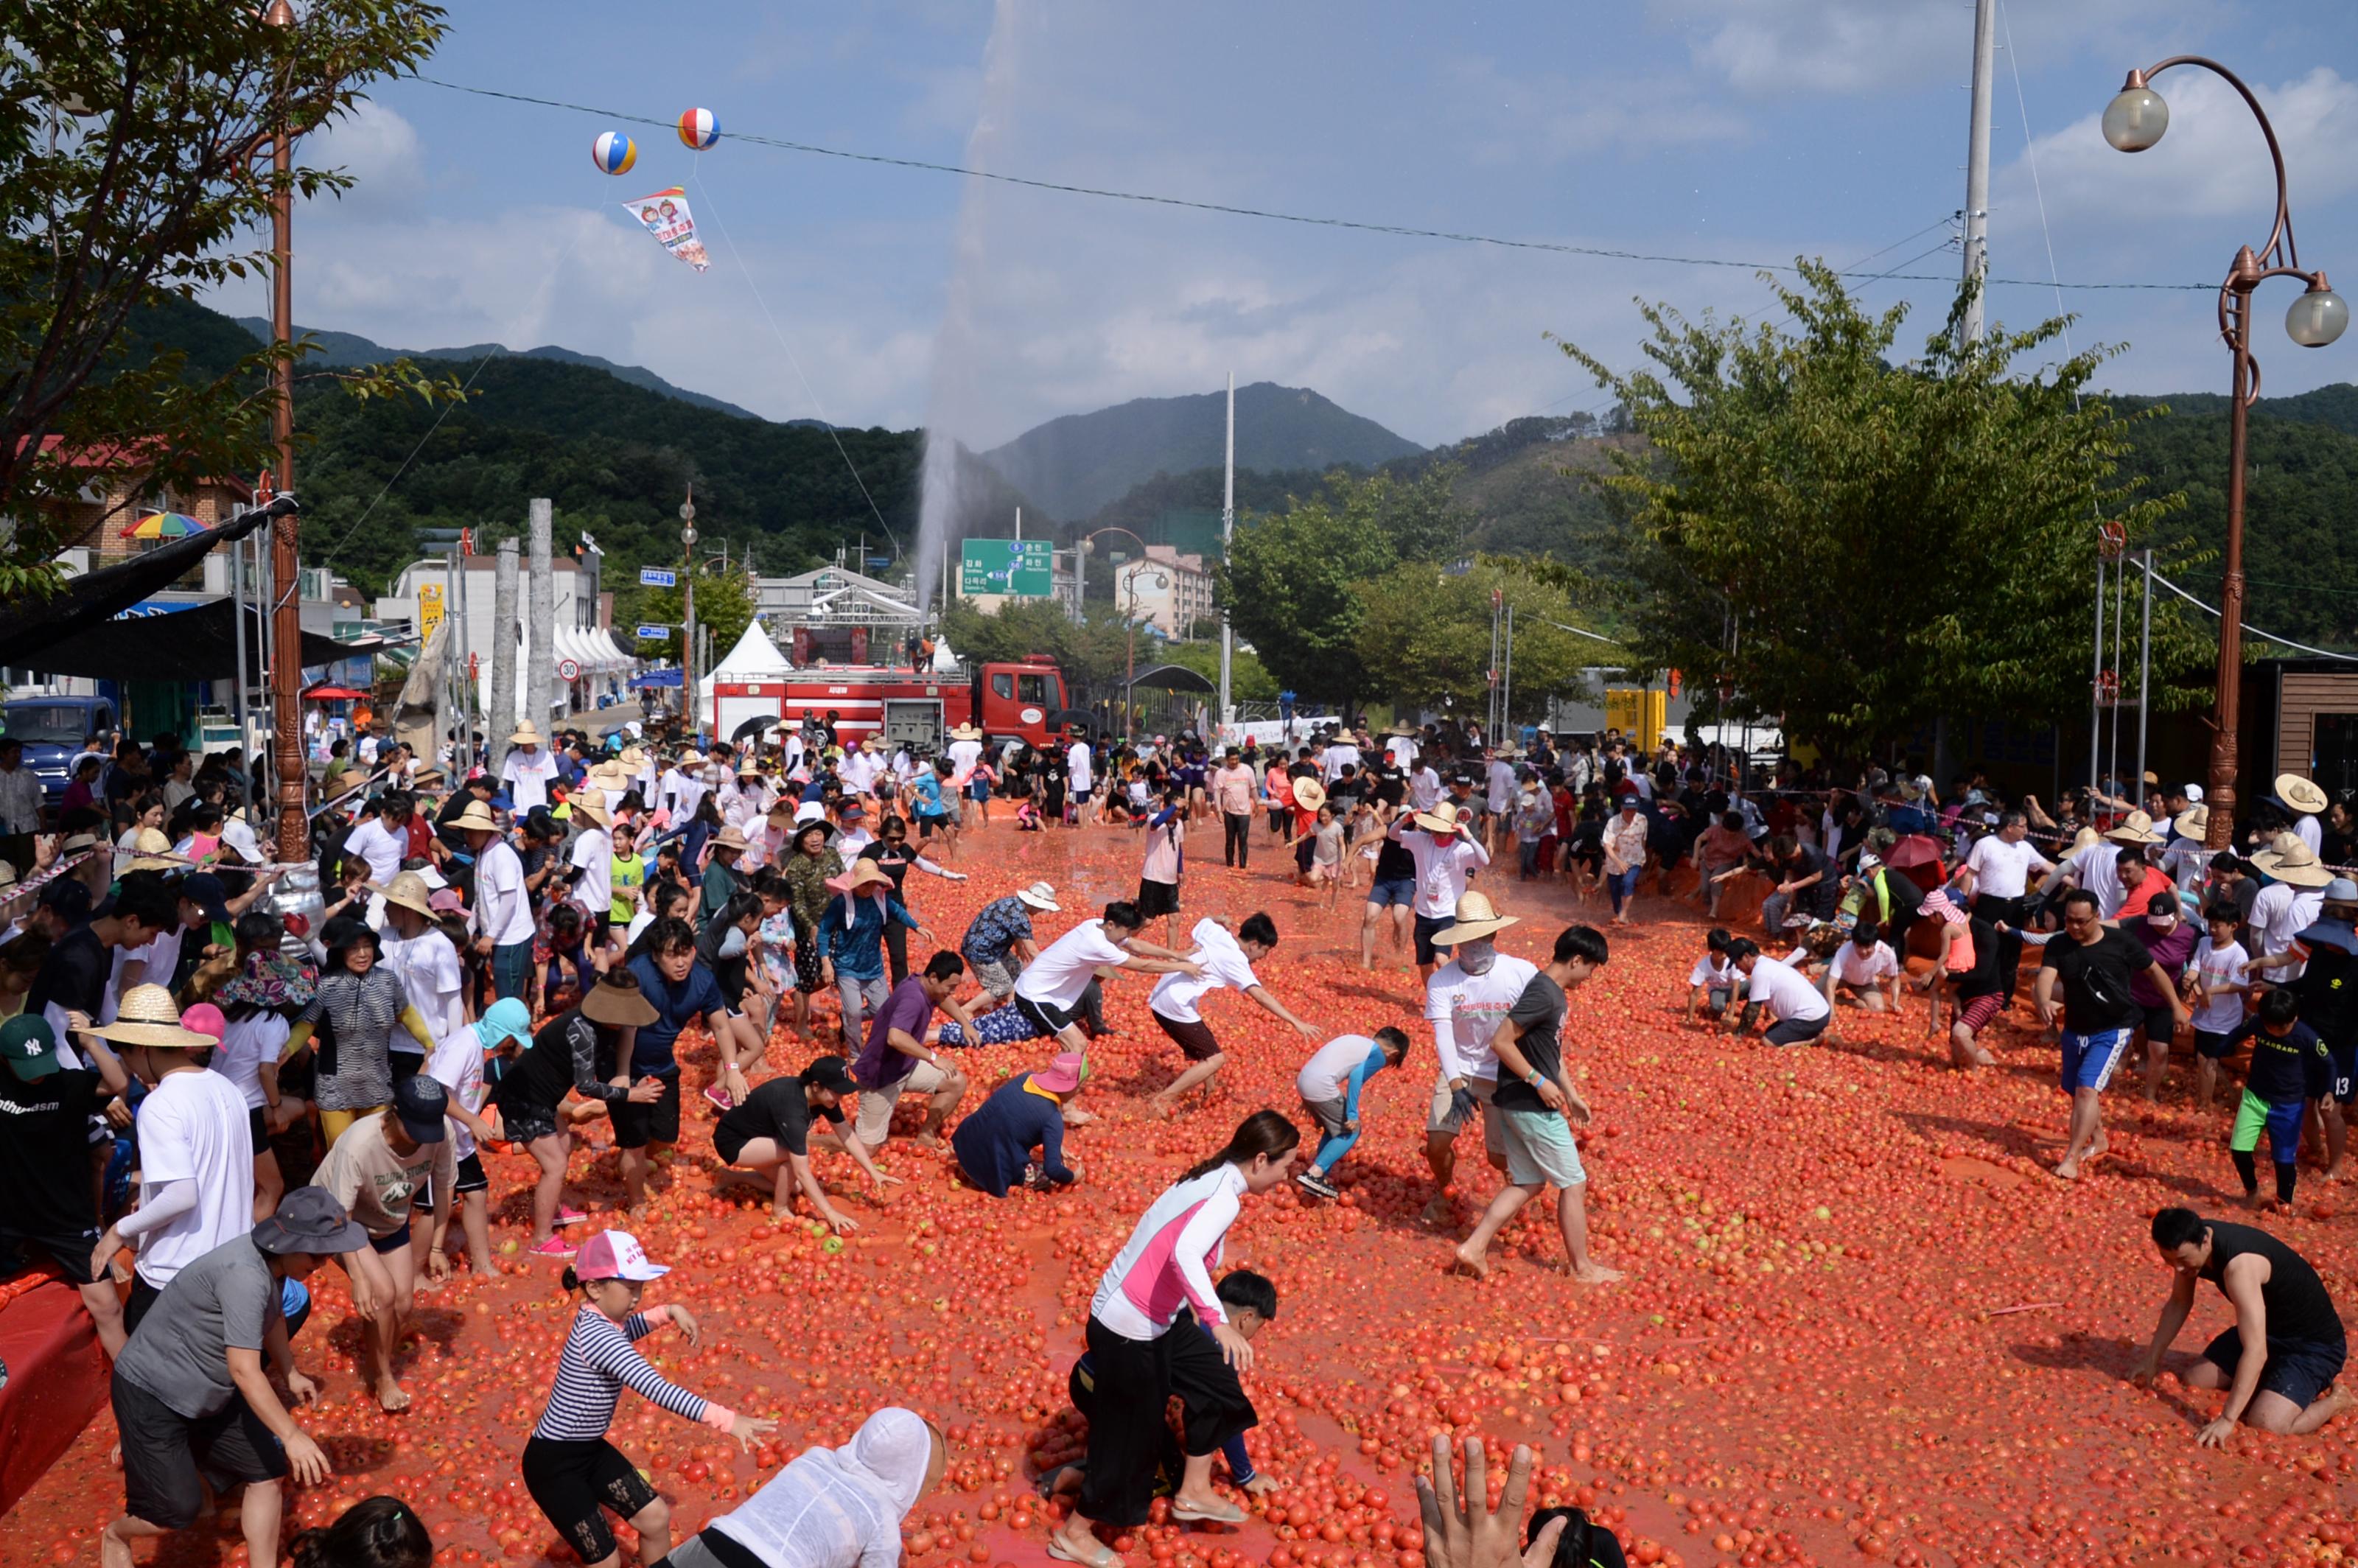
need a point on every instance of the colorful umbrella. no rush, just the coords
(164, 525)
(333, 694)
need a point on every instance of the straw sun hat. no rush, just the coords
(1475, 920)
(148, 1016)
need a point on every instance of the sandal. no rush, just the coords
(1104, 1556)
(1224, 1513)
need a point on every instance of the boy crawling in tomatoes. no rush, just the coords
(1208, 1390)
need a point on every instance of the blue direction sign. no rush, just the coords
(658, 577)
(657, 632)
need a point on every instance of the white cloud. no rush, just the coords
(379, 149)
(1547, 118)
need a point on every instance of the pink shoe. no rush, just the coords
(570, 1215)
(720, 1097)
(555, 1247)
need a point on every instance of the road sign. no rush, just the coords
(658, 577)
(567, 670)
(658, 633)
(1023, 568)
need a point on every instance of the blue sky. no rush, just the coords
(1750, 130)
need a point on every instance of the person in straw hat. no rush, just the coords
(196, 1156)
(2303, 802)
(192, 1402)
(591, 879)
(501, 921)
(2291, 902)
(1536, 1107)
(419, 955)
(1465, 1000)
(2094, 863)
(1446, 854)
(528, 768)
(851, 940)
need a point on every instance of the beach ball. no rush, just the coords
(614, 152)
(700, 128)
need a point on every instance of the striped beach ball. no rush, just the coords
(613, 152)
(700, 128)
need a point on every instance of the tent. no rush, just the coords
(755, 657)
(196, 643)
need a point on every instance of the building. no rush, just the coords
(1169, 589)
(839, 615)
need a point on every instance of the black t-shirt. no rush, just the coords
(2297, 1307)
(2285, 1068)
(779, 1110)
(543, 1075)
(1982, 979)
(44, 1153)
(1539, 1013)
(75, 975)
(893, 858)
(2095, 978)
(2328, 989)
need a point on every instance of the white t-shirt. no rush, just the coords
(499, 892)
(1852, 967)
(1425, 789)
(1501, 781)
(1223, 963)
(594, 866)
(381, 847)
(1443, 869)
(963, 755)
(2002, 869)
(456, 1065)
(526, 774)
(430, 976)
(1466, 1010)
(192, 1128)
(2097, 869)
(1787, 991)
(162, 955)
(1714, 969)
(1329, 1069)
(2306, 829)
(245, 1046)
(1402, 749)
(1340, 755)
(1077, 767)
(2219, 967)
(1065, 966)
(2281, 913)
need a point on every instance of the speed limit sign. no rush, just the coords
(568, 669)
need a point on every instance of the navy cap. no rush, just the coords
(421, 1103)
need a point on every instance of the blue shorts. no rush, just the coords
(1392, 891)
(2299, 1370)
(2089, 1059)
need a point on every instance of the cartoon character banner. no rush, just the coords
(667, 216)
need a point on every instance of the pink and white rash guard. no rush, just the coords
(1168, 1261)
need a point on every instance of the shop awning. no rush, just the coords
(197, 643)
(33, 631)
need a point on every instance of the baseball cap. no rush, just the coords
(615, 1255)
(205, 891)
(28, 1046)
(422, 1102)
(309, 1219)
(831, 1073)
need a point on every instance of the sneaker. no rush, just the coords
(720, 1097)
(1316, 1186)
(570, 1215)
(555, 1247)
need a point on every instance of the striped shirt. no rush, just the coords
(361, 1011)
(600, 1357)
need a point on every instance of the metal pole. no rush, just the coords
(244, 670)
(1977, 152)
(2120, 629)
(2144, 664)
(293, 773)
(1228, 534)
(2096, 680)
(2225, 744)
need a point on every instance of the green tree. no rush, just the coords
(1288, 581)
(724, 602)
(1862, 545)
(1425, 637)
(133, 151)
(1094, 652)
(1249, 678)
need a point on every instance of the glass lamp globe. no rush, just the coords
(2135, 119)
(2317, 318)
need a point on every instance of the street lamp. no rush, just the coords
(688, 610)
(1087, 545)
(2133, 121)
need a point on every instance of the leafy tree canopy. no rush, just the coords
(1425, 636)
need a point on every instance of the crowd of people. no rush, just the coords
(213, 1093)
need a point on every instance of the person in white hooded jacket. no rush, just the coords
(830, 1508)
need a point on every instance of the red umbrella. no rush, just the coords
(1918, 855)
(334, 693)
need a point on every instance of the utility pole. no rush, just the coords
(505, 585)
(1977, 151)
(687, 703)
(288, 766)
(540, 648)
(2145, 669)
(1228, 537)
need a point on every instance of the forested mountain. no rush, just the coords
(1077, 464)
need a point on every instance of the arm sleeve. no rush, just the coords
(829, 928)
(612, 1354)
(1444, 1045)
(160, 1202)
(583, 1038)
(1481, 855)
(1240, 1469)
(1199, 1241)
(1052, 1151)
(1370, 1066)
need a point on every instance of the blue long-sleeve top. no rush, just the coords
(995, 1143)
(852, 932)
(1374, 1061)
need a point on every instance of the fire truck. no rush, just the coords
(917, 709)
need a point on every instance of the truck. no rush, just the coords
(54, 731)
(1015, 700)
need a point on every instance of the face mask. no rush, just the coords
(1476, 958)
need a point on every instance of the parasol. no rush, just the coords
(164, 525)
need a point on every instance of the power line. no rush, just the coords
(2264, 636)
(1399, 230)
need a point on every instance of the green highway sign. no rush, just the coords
(1019, 567)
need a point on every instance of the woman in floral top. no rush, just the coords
(806, 871)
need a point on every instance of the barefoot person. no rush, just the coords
(1538, 1106)
(376, 1171)
(571, 1470)
(768, 1135)
(2093, 965)
(1141, 1317)
(1465, 1001)
(1224, 959)
(895, 1059)
(2279, 1362)
(1016, 1138)
(583, 1050)
(1050, 993)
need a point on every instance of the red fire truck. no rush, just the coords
(1022, 700)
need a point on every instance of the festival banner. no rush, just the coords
(666, 217)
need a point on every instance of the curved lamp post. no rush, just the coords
(2133, 121)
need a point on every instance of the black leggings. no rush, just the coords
(2010, 912)
(1237, 837)
(1126, 1431)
